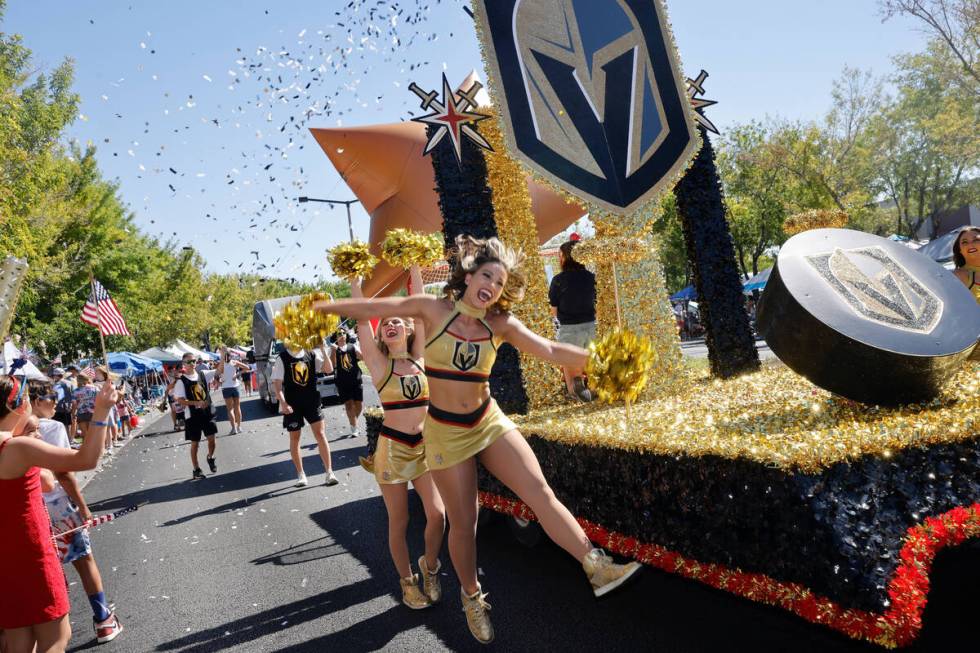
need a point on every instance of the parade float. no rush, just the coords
(825, 485)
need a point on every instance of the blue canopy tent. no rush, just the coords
(688, 294)
(129, 364)
(758, 282)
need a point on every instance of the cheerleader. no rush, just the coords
(464, 422)
(394, 358)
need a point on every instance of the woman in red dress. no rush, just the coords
(34, 601)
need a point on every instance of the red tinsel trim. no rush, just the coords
(908, 588)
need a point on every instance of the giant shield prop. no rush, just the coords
(590, 95)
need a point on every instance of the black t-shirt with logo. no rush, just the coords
(299, 377)
(347, 371)
(197, 391)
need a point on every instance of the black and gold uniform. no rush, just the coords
(347, 374)
(299, 388)
(451, 438)
(200, 422)
(974, 286)
(400, 457)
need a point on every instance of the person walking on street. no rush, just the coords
(192, 395)
(344, 356)
(294, 380)
(572, 299)
(68, 510)
(228, 371)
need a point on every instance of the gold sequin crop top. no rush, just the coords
(404, 390)
(454, 357)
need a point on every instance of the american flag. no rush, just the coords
(101, 312)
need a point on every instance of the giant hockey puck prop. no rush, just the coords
(865, 317)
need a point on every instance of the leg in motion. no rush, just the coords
(294, 453)
(324, 448)
(513, 462)
(435, 531)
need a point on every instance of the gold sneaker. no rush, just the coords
(476, 609)
(412, 596)
(431, 584)
(367, 463)
(604, 574)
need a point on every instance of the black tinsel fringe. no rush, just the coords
(838, 532)
(728, 335)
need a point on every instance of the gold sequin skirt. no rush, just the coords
(399, 457)
(451, 438)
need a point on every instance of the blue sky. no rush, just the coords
(198, 108)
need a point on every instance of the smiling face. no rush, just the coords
(968, 244)
(394, 331)
(485, 285)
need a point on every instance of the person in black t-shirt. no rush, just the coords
(294, 378)
(192, 395)
(572, 299)
(344, 355)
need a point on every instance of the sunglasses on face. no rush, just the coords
(50, 397)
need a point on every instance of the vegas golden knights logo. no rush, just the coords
(344, 359)
(301, 373)
(198, 392)
(411, 387)
(466, 356)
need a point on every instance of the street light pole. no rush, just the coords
(346, 203)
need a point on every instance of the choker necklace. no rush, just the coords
(402, 355)
(470, 311)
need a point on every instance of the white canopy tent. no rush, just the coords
(10, 354)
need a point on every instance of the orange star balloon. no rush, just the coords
(385, 168)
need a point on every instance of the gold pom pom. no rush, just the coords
(403, 248)
(351, 260)
(619, 364)
(814, 219)
(300, 326)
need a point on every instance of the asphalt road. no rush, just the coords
(698, 349)
(243, 561)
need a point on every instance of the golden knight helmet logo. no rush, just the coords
(301, 373)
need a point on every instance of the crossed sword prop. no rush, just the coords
(467, 101)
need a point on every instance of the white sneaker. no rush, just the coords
(232, 431)
(301, 480)
(238, 429)
(354, 432)
(331, 479)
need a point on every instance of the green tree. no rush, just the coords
(927, 143)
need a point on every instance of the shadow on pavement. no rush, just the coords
(243, 479)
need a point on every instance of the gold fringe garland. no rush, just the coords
(516, 227)
(644, 301)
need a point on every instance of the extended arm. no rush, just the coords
(417, 306)
(418, 346)
(70, 485)
(31, 452)
(529, 342)
(370, 354)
